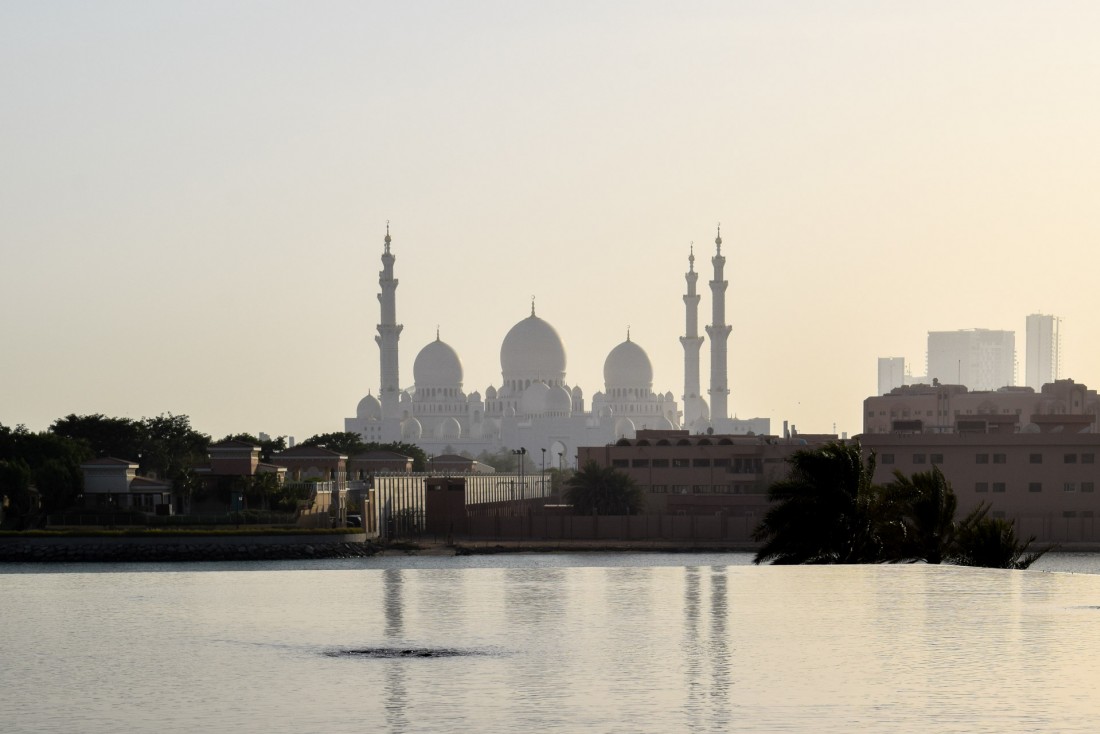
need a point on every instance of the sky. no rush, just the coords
(193, 196)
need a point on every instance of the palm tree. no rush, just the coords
(826, 511)
(991, 542)
(604, 491)
(926, 505)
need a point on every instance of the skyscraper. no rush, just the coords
(1043, 345)
(981, 359)
(891, 373)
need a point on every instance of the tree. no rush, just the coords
(991, 542)
(121, 438)
(344, 442)
(826, 511)
(268, 447)
(170, 445)
(603, 491)
(926, 506)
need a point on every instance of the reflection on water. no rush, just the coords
(643, 643)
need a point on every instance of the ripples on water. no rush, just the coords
(551, 643)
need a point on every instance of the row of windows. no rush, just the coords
(921, 458)
(738, 466)
(700, 489)
(1035, 486)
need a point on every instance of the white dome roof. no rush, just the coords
(532, 350)
(437, 365)
(490, 393)
(369, 409)
(664, 424)
(624, 428)
(449, 429)
(534, 397)
(697, 405)
(558, 400)
(628, 366)
(411, 429)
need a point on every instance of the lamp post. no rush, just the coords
(561, 477)
(542, 479)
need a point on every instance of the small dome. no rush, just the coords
(411, 430)
(449, 429)
(510, 412)
(577, 392)
(605, 411)
(405, 397)
(697, 406)
(534, 399)
(624, 428)
(532, 350)
(628, 366)
(668, 395)
(700, 426)
(437, 365)
(664, 424)
(475, 397)
(559, 401)
(490, 393)
(369, 409)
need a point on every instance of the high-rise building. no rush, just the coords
(981, 359)
(1043, 345)
(891, 373)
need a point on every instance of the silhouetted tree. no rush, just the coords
(604, 491)
(991, 542)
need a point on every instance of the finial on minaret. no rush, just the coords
(628, 332)
(691, 257)
(437, 332)
(532, 305)
(718, 239)
(387, 235)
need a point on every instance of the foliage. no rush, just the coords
(506, 462)
(350, 444)
(604, 491)
(826, 511)
(991, 542)
(829, 511)
(268, 447)
(54, 466)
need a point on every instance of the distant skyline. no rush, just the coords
(194, 196)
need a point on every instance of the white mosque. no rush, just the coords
(535, 407)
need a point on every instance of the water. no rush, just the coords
(584, 642)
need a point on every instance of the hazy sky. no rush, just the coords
(193, 195)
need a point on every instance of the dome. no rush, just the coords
(624, 428)
(490, 393)
(664, 424)
(437, 365)
(577, 392)
(475, 397)
(411, 429)
(369, 409)
(534, 397)
(627, 366)
(559, 401)
(532, 350)
(449, 429)
(697, 405)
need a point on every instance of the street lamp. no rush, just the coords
(542, 479)
(561, 477)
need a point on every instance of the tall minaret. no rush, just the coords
(389, 331)
(718, 332)
(692, 342)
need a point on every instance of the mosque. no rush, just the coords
(534, 407)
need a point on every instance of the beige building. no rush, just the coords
(1046, 482)
(1062, 406)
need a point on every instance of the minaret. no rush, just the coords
(389, 331)
(692, 342)
(718, 332)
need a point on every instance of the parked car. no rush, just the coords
(354, 521)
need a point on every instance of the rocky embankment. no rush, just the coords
(135, 551)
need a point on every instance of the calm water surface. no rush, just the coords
(568, 643)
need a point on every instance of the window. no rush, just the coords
(887, 458)
(681, 463)
(981, 458)
(1069, 487)
(700, 462)
(639, 463)
(721, 462)
(659, 489)
(1035, 458)
(1088, 458)
(619, 463)
(999, 459)
(1035, 487)
(981, 486)
(1087, 486)
(918, 458)
(660, 463)
(1069, 459)
(998, 486)
(937, 458)
(701, 489)
(680, 488)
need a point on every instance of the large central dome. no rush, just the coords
(437, 365)
(532, 350)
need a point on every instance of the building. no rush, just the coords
(1045, 482)
(891, 373)
(691, 474)
(1062, 406)
(114, 483)
(534, 406)
(981, 359)
(1043, 350)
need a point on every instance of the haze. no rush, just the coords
(193, 195)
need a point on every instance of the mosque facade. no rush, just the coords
(534, 407)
